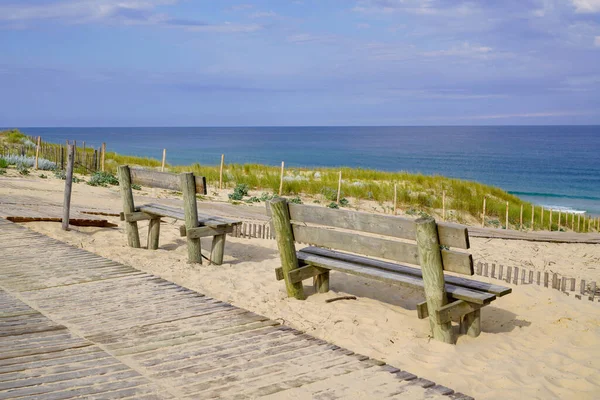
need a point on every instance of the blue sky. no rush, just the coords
(309, 62)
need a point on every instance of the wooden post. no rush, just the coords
(103, 156)
(221, 171)
(559, 215)
(164, 159)
(133, 235)
(285, 242)
(94, 161)
(153, 233)
(430, 258)
(443, 205)
(507, 215)
(521, 218)
(339, 188)
(84, 157)
(578, 222)
(395, 198)
(62, 157)
(37, 150)
(572, 221)
(217, 249)
(190, 210)
(281, 178)
(483, 215)
(68, 186)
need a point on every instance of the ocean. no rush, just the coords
(554, 166)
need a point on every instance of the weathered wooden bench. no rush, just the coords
(196, 226)
(399, 240)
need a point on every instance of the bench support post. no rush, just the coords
(471, 323)
(133, 235)
(218, 247)
(153, 233)
(321, 282)
(188, 186)
(280, 216)
(430, 258)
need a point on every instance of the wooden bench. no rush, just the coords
(196, 226)
(393, 239)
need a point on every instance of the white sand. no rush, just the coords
(535, 342)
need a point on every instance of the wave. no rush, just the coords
(553, 195)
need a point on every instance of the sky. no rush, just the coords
(309, 62)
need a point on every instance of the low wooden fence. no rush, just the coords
(523, 276)
(253, 229)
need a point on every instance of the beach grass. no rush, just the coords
(415, 192)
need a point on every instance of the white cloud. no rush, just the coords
(83, 10)
(586, 6)
(226, 28)
(423, 7)
(263, 14)
(309, 38)
(464, 50)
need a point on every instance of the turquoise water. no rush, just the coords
(555, 166)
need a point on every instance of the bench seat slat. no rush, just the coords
(171, 212)
(457, 292)
(461, 263)
(451, 235)
(467, 283)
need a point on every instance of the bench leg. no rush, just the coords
(321, 282)
(218, 248)
(153, 233)
(471, 323)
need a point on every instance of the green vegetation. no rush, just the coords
(239, 192)
(103, 179)
(135, 186)
(416, 193)
(3, 163)
(23, 170)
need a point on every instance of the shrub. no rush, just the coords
(23, 170)
(344, 202)
(3, 163)
(43, 176)
(103, 179)
(29, 162)
(333, 204)
(60, 174)
(329, 193)
(14, 136)
(296, 200)
(135, 186)
(2, 171)
(266, 196)
(253, 199)
(239, 192)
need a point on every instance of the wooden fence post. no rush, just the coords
(37, 150)
(532, 217)
(164, 160)
(280, 216)
(133, 235)
(339, 187)
(62, 157)
(281, 178)
(433, 278)
(578, 222)
(190, 210)
(483, 215)
(68, 186)
(395, 198)
(444, 205)
(559, 215)
(84, 156)
(103, 156)
(95, 161)
(521, 218)
(221, 171)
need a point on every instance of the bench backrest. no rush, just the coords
(163, 180)
(388, 237)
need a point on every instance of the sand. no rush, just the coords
(536, 343)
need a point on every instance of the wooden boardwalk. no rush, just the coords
(76, 325)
